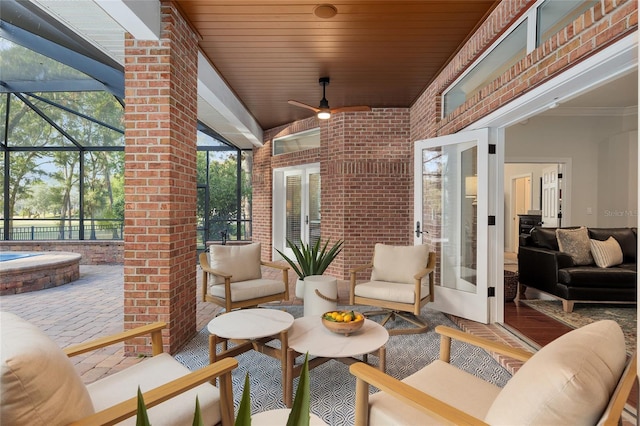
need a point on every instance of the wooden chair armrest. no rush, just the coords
(448, 333)
(423, 273)
(275, 265)
(128, 408)
(613, 413)
(361, 268)
(215, 272)
(368, 375)
(155, 330)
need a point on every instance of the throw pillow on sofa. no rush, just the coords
(575, 243)
(606, 253)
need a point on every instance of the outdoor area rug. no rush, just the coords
(586, 313)
(332, 386)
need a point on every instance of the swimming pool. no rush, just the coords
(4, 256)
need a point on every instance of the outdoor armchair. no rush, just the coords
(40, 385)
(401, 283)
(232, 277)
(583, 377)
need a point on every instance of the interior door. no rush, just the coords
(521, 200)
(550, 196)
(296, 207)
(451, 216)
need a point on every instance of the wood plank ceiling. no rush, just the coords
(377, 53)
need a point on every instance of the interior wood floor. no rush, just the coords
(538, 330)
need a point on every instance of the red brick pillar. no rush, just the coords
(160, 182)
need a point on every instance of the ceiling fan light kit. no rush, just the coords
(323, 112)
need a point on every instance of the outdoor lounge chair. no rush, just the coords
(582, 378)
(401, 283)
(232, 277)
(40, 386)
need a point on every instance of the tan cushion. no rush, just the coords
(241, 262)
(606, 253)
(398, 264)
(568, 382)
(393, 292)
(440, 380)
(39, 383)
(575, 242)
(250, 289)
(151, 373)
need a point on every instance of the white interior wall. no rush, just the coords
(583, 139)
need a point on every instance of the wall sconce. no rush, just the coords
(471, 188)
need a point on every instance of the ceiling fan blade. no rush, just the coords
(350, 109)
(300, 104)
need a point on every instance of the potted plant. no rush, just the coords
(310, 260)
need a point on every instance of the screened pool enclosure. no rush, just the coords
(62, 139)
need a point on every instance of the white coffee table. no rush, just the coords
(309, 335)
(251, 329)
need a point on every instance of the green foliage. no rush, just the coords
(299, 415)
(311, 259)
(244, 411)
(141, 417)
(197, 417)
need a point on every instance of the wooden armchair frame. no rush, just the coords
(396, 308)
(227, 303)
(117, 413)
(368, 376)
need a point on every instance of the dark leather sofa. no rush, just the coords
(542, 266)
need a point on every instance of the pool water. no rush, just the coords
(4, 256)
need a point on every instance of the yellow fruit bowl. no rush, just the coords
(343, 322)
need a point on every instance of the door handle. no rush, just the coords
(418, 231)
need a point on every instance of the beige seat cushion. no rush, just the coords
(443, 381)
(39, 383)
(568, 382)
(398, 264)
(242, 262)
(393, 292)
(251, 289)
(151, 373)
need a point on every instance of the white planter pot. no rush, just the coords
(300, 289)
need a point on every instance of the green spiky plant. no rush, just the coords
(299, 414)
(312, 259)
(142, 419)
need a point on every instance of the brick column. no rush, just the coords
(160, 182)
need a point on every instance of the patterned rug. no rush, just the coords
(586, 313)
(332, 386)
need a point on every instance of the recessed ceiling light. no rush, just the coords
(325, 11)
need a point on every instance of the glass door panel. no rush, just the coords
(451, 217)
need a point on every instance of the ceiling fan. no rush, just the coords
(324, 111)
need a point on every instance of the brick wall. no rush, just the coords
(366, 179)
(606, 22)
(160, 181)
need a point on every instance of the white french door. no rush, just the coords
(452, 217)
(296, 206)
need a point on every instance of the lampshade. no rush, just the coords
(471, 186)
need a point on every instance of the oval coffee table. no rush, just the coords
(251, 329)
(309, 335)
